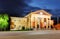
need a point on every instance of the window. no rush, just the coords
(48, 19)
(44, 19)
(14, 20)
(14, 26)
(24, 20)
(19, 20)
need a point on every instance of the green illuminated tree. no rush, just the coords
(4, 21)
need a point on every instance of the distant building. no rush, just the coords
(36, 20)
(17, 23)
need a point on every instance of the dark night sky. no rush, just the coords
(49, 4)
(23, 7)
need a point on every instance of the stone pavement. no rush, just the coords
(41, 34)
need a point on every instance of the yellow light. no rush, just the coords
(41, 13)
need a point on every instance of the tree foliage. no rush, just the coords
(3, 21)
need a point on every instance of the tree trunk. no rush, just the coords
(4, 29)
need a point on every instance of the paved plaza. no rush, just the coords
(41, 34)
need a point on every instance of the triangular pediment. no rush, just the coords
(43, 12)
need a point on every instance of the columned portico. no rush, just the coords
(40, 20)
(41, 23)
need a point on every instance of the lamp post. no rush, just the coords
(57, 19)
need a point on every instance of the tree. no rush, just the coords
(4, 21)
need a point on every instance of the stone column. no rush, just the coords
(39, 22)
(49, 23)
(46, 23)
(31, 23)
(35, 23)
(43, 22)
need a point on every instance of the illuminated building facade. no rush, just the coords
(36, 20)
(17, 23)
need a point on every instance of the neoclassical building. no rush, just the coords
(39, 19)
